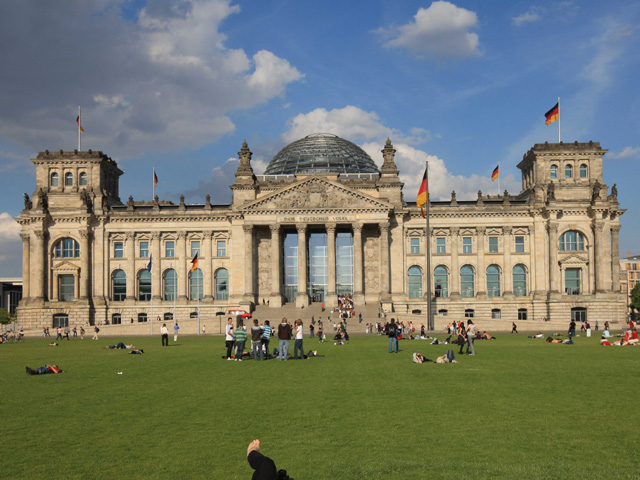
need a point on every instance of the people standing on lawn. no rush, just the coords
(320, 331)
(267, 331)
(312, 329)
(392, 333)
(297, 346)
(588, 328)
(229, 337)
(67, 332)
(284, 335)
(241, 338)
(58, 333)
(471, 335)
(572, 328)
(75, 332)
(96, 330)
(256, 340)
(462, 336)
(81, 332)
(164, 332)
(175, 332)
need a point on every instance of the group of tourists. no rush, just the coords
(345, 307)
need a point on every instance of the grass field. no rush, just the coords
(519, 409)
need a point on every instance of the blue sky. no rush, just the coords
(178, 85)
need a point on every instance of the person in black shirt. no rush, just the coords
(392, 333)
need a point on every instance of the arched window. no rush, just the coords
(568, 171)
(144, 285)
(83, 179)
(119, 286)
(467, 281)
(493, 281)
(170, 279)
(583, 170)
(195, 284)
(441, 281)
(222, 284)
(553, 171)
(67, 248)
(571, 241)
(68, 179)
(54, 179)
(414, 280)
(519, 281)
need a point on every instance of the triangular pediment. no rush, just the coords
(574, 259)
(317, 193)
(66, 266)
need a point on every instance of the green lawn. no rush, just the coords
(519, 409)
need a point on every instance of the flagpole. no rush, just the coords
(175, 294)
(153, 195)
(430, 325)
(79, 131)
(198, 295)
(559, 120)
(498, 178)
(151, 297)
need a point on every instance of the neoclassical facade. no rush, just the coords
(323, 221)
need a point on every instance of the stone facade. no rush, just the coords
(550, 251)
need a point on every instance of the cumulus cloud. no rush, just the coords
(627, 152)
(9, 228)
(528, 17)
(440, 32)
(10, 246)
(161, 82)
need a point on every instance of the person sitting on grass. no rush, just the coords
(44, 370)
(120, 346)
(265, 468)
(486, 336)
(604, 341)
(448, 357)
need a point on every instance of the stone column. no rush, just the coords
(55, 284)
(248, 264)
(207, 273)
(275, 297)
(507, 270)
(76, 285)
(358, 290)
(332, 296)
(26, 287)
(85, 274)
(384, 261)
(302, 299)
(40, 271)
(156, 269)
(615, 258)
(552, 230)
(599, 270)
(183, 279)
(131, 266)
(482, 268)
(454, 275)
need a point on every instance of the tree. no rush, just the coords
(635, 298)
(5, 317)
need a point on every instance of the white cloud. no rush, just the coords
(627, 152)
(528, 17)
(440, 32)
(162, 82)
(9, 228)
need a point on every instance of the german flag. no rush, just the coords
(422, 194)
(155, 178)
(553, 114)
(194, 263)
(78, 122)
(496, 173)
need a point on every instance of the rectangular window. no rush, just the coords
(142, 317)
(222, 248)
(522, 314)
(415, 245)
(493, 244)
(118, 250)
(469, 313)
(66, 287)
(144, 249)
(195, 248)
(441, 245)
(116, 319)
(519, 244)
(466, 244)
(170, 249)
(572, 281)
(443, 312)
(496, 313)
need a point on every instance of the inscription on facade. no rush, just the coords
(312, 219)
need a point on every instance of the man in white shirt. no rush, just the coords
(229, 337)
(165, 335)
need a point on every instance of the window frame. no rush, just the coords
(414, 246)
(54, 179)
(83, 179)
(493, 244)
(568, 171)
(553, 171)
(467, 245)
(223, 244)
(68, 179)
(118, 249)
(169, 251)
(519, 244)
(441, 245)
(143, 249)
(66, 287)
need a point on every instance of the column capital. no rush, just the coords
(156, 236)
(84, 234)
(208, 235)
(482, 230)
(181, 235)
(25, 237)
(616, 228)
(597, 227)
(454, 231)
(384, 227)
(357, 227)
(247, 228)
(130, 235)
(301, 228)
(552, 228)
(331, 227)
(274, 227)
(40, 234)
(507, 230)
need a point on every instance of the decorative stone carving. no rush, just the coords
(613, 196)
(264, 263)
(454, 201)
(28, 204)
(480, 201)
(371, 261)
(389, 165)
(245, 161)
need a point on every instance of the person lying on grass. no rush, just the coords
(44, 370)
(120, 346)
(486, 336)
(139, 351)
(54, 344)
(265, 468)
(537, 335)
(448, 357)
(604, 341)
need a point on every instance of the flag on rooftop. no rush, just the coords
(496, 173)
(553, 114)
(78, 122)
(422, 193)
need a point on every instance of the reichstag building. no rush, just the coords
(324, 220)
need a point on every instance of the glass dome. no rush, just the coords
(321, 153)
